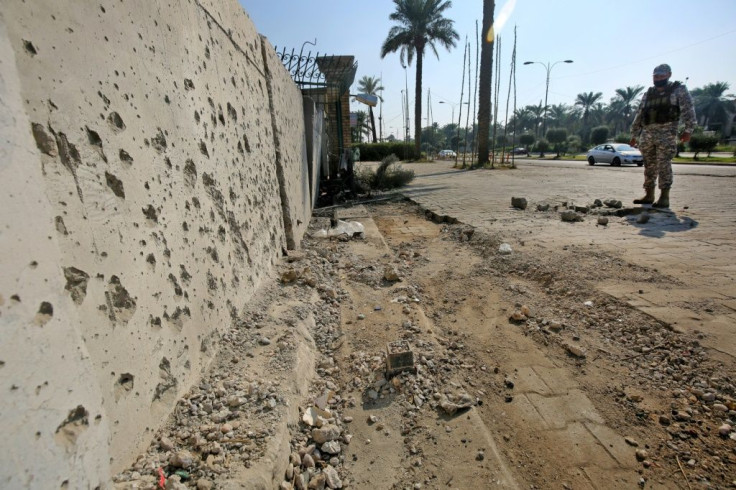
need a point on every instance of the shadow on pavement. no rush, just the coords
(655, 223)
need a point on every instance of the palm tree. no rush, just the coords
(371, 86)
(712, 104)
(522, 120)
(586, 101)
(616, 114)
(537, 113)
(558, 115)
(484, 83)
(628, 95)
(361, 128)
(420, 25)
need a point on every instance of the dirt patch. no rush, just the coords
(525, 375)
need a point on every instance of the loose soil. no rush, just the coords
(524, 374)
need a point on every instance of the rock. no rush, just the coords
(450, 408)
(205, 484)
(643, 218)
(225, 428)
(641, 454)
(289, 276)
(182, 459)
(264, 341)
(602, 220)
(555, 326)
(613, 203)
(299, 481)
(317, 482)
(575, 351)
(326, 433)
(480, 456)
(682, 416)
(174, 483)
(331, 447)
(582, 209)
(517, 316)
(631, 441)
(166, 444)
(543, 207)
(518, 202)
(724, 430)
(308, 461)
(314, 416)
(719, 407)
(505, 249)
(526, 311)
(664, 420)
(391, 274)
(234, 401)
(570, 216)
(332, 478)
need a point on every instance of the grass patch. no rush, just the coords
(388, 175)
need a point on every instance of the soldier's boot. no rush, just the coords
(664, 199)
(648, 197)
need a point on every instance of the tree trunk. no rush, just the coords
(373, 123)
(485, 82)
(418, 103)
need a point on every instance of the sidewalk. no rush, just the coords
(695, 243)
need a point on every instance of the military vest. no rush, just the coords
(658, 108)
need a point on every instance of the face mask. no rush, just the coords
(661, 83)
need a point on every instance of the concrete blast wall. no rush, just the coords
(153, 166)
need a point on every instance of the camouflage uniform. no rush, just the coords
(658, 141)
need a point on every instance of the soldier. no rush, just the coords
(655, 125)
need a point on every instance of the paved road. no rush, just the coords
(695, 243)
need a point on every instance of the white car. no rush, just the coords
(447, 154)
(615, 154)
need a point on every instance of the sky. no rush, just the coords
(613, 44)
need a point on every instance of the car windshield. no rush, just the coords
(624, 147)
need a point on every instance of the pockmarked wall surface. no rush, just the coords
(143, 165)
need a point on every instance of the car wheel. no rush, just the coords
(640, 164)
(591, 161)
(616, 162)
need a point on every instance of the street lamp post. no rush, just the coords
(453, 105)
(547, 67)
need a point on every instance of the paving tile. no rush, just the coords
(527, 381)
(557, 379)
(614, 443)
(561, 410)
(581, 448)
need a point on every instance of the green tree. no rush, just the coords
(527, 139)
(433, 138)
(703, 142)
(361, 128)
(627, 96)
(586, 101)
(537, 114)
(557, 136)
(371, 86)
(421, 24)
(574, 144)
(558, 115)
(542, 146)
(484, 84)
(599, 135)
(712, 105)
